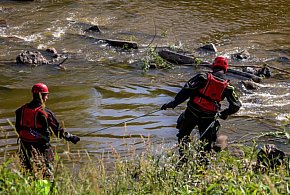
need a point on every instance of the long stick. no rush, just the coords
(236, 66)
(154, 33)
(62, 61)
(281, 70)
(120, 123)
(240, 73)
(242, 66)
(60, 64)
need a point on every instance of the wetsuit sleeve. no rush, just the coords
(18, 114)
(53, 124)
(232, 98)
(190, 89)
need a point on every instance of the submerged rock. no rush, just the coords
(283, 59)
(5, 9)
(13, 39)
(3, 24)
(250, 85)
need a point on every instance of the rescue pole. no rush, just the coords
(121, 123)
(210, 125)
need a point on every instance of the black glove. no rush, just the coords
(72, 138)
(223, 115)
(168, 105)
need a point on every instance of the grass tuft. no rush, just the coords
(150, 172)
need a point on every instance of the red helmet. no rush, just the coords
(39, 88)
(221, 62)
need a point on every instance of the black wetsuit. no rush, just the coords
(41, 148)
(194, 115)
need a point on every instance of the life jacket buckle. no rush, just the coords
(34, 133)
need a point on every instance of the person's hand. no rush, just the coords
(168, 105)
(72, 138)
(223, 115)
(164, 107)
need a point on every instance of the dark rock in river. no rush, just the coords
(262, 72)
(51, 54)
(209, 47)
(86, 27)
(33, 58)
(121, 43)
(243, 55)
(176, 58)
(51, 50)
(94, 28)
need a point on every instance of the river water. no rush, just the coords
(104, 86)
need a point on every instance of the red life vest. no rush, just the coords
(29, 126)
(210, 95)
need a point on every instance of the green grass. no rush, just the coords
(153, 171)
(153, 60)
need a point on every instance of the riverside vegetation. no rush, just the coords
(152, 171)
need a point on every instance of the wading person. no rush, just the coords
(205, 91)
(35, 124)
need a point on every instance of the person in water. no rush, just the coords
(205, 91)
(35, 124)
